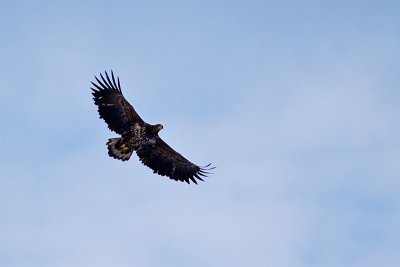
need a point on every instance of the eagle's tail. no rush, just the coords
(118, 149)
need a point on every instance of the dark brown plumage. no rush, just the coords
(139, 136)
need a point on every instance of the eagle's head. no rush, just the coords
(158, 127)
(154, 129)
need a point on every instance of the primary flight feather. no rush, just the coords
(139, 136)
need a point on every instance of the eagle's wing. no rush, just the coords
(113, 107)
(164, 160)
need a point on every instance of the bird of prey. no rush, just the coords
(139, 136)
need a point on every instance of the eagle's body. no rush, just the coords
(139, 136)
(132, 139)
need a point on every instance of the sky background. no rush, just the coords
(295, 102)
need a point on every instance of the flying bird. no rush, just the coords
(139, 136)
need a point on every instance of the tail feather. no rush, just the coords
(118, 149)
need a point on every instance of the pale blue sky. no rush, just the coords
(295, 102)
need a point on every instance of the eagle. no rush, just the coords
(139, 136)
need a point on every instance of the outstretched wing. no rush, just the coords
(112, 106)
(165, 161)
